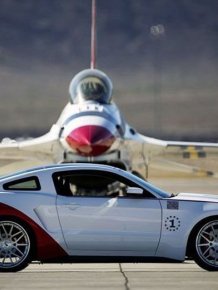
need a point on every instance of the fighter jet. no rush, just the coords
(91, 128)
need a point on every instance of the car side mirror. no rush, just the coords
(134, 190)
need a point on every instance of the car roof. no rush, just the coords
(64, 166)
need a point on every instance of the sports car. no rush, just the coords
(91, 212)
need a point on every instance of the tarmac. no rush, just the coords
(180, 276)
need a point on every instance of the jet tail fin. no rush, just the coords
(93, 36)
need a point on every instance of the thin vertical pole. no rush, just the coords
(93, 36)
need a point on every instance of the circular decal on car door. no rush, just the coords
(172, 223)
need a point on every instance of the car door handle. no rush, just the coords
(72, 205)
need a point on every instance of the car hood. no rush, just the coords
(197, 197)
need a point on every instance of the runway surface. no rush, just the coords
(125, 276)
(111, 276)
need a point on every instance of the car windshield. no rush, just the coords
(156, 190)
(152, 188)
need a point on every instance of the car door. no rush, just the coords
(98, 220)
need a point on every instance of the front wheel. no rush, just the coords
(206, 246)
(15, 246)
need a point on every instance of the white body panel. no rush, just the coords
(118, 225)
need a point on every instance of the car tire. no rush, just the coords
(206, 245)
(15, 246)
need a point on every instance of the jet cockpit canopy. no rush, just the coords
(91, 85)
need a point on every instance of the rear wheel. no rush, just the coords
(15, 246)
(206, 246)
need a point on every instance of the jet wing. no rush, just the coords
(197, 158)
(202, 157)
(171, 158)
(31, 152)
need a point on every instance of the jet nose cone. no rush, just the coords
(90, 140)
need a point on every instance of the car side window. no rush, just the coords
(87, 185)
(29, 183)
(91, 184)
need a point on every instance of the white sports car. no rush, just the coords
(84, 212)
